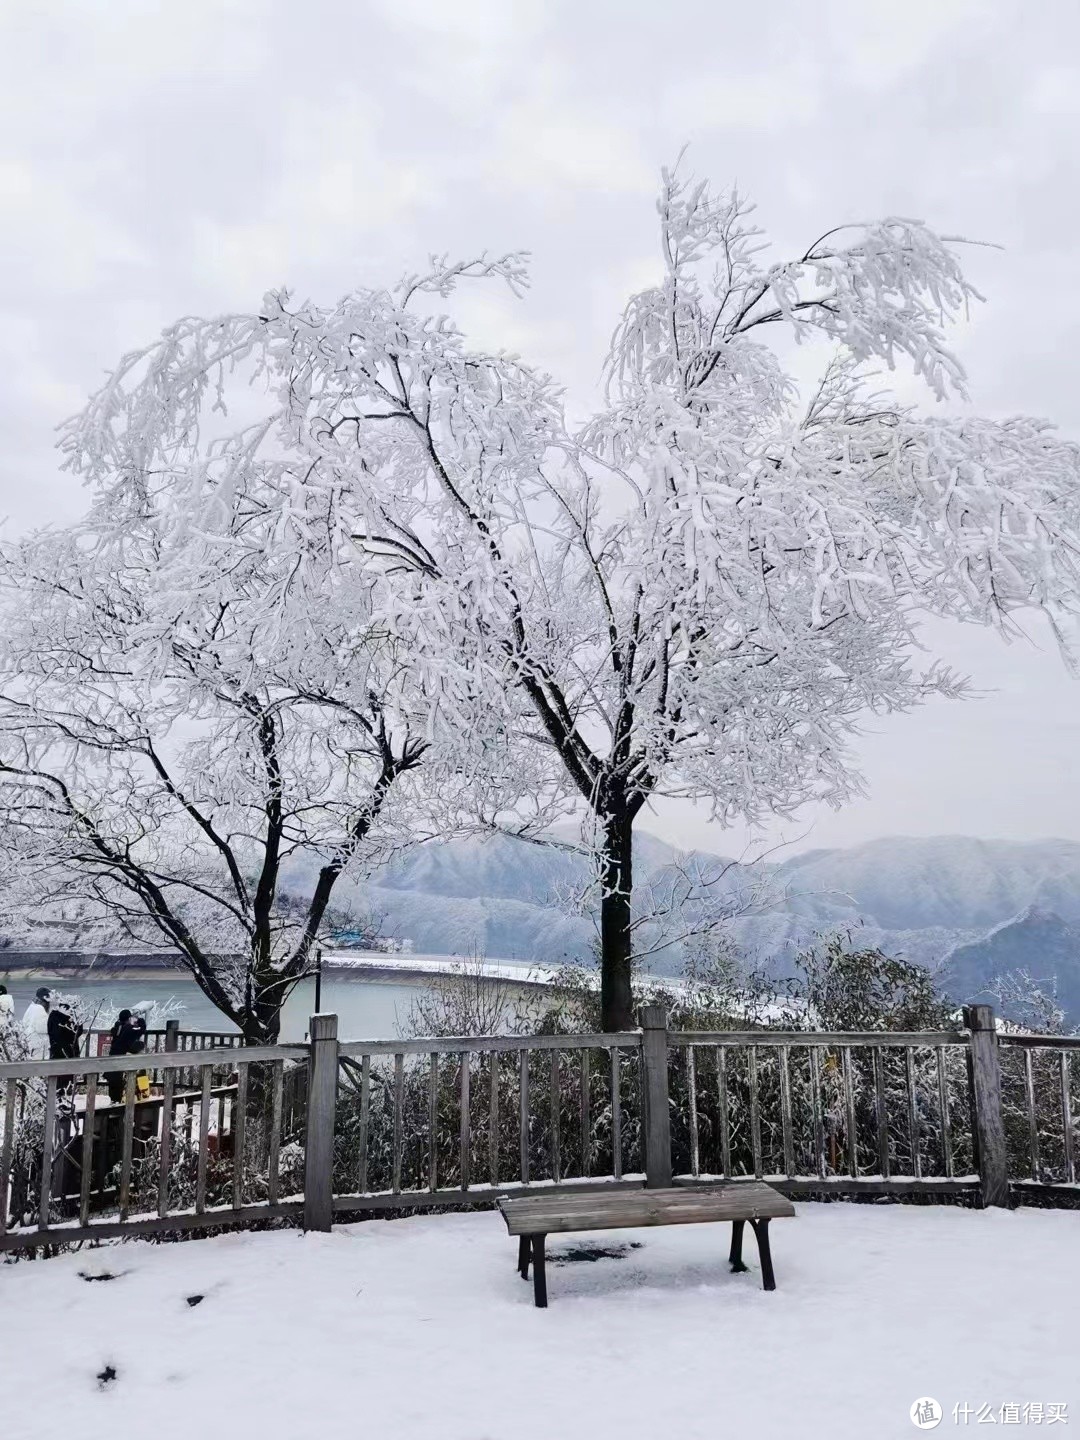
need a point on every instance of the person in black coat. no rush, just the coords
(117, 1025)
(128, 1038)
(63, 1040)
(63, 1034)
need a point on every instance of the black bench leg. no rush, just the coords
(524, 1247)
(539, 1272)
(735, 1256)
(761, 1230)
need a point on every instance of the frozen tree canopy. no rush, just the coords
(184, 716)
(696, 593)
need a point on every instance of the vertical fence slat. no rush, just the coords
(849, 1112)
(755, 1111)
(399, 1088)
(556, 1137)
(691, 1085)
(493, 1119)
(523, 1112)
(274, 1150)
(165, 1141)
(324, 1070)
(1032, 1117)
(433, 1121)
(881, 1113)
(6, 1148)
(989, 1140)
(913, 1114)
(616, 1112)
(205, 1072)
(586, 1167)
(1066, 1120)
(365, 1120)
(725, 1116)
(48, 1145)
(86, 1159)
(466, 1133)
(785, 1109)
(128, 1144)
(238, 1134)
(655, 1056)
(815, 1096)
(943, 1109)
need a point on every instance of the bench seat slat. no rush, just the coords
(554, 1214)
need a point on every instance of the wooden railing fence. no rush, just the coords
(169, 1037)
(434, 1122)
(223, 1134)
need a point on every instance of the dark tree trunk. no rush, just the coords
(262, 1023)
(616, 882)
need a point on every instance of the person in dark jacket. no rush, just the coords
(63, 1034)
(63, 1040)
(128, 1038)
(118, 1024)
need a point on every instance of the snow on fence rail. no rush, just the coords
(224, 1134)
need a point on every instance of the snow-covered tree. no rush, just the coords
(198, 735)
(699, 591)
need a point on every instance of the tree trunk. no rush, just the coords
(616, 882)
(262, 1023)
(261, 1026)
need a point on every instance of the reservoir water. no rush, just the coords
(368, 1006)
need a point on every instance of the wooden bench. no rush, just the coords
(534, 1217)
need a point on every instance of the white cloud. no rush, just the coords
(55, 237)
(1056, 90)
(768, 99)
(478, 23)
(554, 145)
(881, 43)
(336, 183)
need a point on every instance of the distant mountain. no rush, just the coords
(510, 898)
(1036, 941)
(923, 898)
(974, 907)
(945, 880)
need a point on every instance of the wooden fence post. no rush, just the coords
(172, 1036)
(654, 1055)
(987, 1121)
(322, 1104)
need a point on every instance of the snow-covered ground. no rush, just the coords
(421, 1328)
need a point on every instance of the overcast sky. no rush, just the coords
(159, 159)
